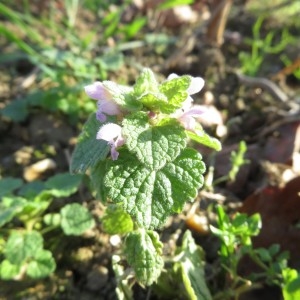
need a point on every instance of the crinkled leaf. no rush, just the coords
(42, 265)
(88, 150)
(8, 185)
(203, 138)
(8, 270)
(143, 251)
(63, 185)
(116, 220)
(122, 95)
(154, 101)
(21, 246)
(176, 92)
(191, 268)
(150, 196)
(76, 219)
(97, 175)
(9, 207)
(153, 145)
(145, 83)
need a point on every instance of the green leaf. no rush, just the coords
(63, 185)
(8, 185)
(17, 110)
(145, 83)
(97, 174)
(10, 207)
(21, 246)
(153, 146)
(112, 61)
(154, 101)
(8, 270)
(150, 196)
(88, 150)
(116, 221)
(203, 138)
(176, 92)
(191, 268)
(291, 287)
(143, 251)
(173, 3)
(122, 95)
(42, 265)
(31, 189)
(76, 219)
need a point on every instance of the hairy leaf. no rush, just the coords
(76, 219)
(176, 92)
(191, 268)
(203, 138)
(116, 221)
(148, 195)
(88, 150)
(42, 265)
(143, 251)
(145, 83)
(21, 246)
(153, 145)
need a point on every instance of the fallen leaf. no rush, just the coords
(280, 212)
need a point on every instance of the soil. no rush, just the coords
(249, 112)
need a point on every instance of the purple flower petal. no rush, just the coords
(97, 91)
(109, 107)
(196, 85)
(109, 132)
(100, 116)
(112, 133)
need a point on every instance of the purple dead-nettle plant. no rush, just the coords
(151, 171)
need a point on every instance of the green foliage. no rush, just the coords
(167, 4)
(237, 159)
(8, 185)
(116, 221)
(291, 286)
(25, 250)
(150, 195)
(203, 138)
(235, 235)
(76, 219)
(143, 251)
(190, 266)
(88, 150)
(261, 46)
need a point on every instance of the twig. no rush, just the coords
(264, 84)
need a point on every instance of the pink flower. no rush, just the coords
(112, 133)
(106, 104)
(187, 117)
